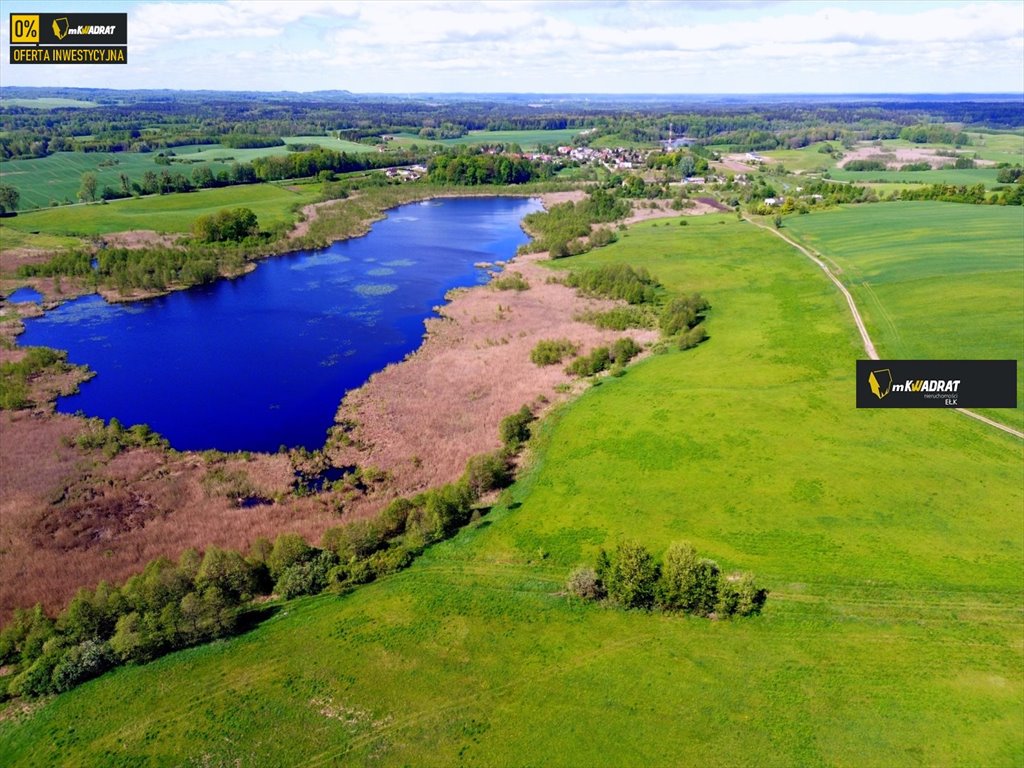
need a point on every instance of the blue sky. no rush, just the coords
(593, 46)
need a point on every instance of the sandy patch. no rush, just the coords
(140, 238)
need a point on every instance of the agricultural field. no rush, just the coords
(273, 205)
(964, 176)
(56, 179)
(891, 636)
(932, 280)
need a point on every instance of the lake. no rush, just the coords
(264, 360)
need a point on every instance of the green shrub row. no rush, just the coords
(630, 577)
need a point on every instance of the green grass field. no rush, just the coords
(998, 147)
(891, 540)
(932, 280)
(966, 176)
(271, 203)
(526, 139)
(804, 159)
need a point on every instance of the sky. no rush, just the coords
(522, 46)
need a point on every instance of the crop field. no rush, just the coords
(932, 280)
(891, 542)
(271, 203)
(56, 178)
(964, 176)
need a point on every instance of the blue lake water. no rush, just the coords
(264, 360)
(25, 294)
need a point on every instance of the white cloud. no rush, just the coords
(557, 46)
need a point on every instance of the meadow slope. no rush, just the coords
(892, 543)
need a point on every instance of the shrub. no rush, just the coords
(682, 313)
(511, 281)
(80, 663)
(692, 337)
(598, 360)
(624, 350)
(584, 584)
(552, 351)
(621, 318)
(515, 429)
(631, 576)
(306, 578)
(687, 583)
(487, 472)
(738, 595)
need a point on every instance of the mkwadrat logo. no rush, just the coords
(61, 28)
(880, 382)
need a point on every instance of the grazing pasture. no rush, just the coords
(890, 540)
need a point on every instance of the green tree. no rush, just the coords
(227, 571)
(632, 576)
(9, 197)
(688, 583)
(87, 190)
(289, 548)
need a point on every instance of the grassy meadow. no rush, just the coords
(805, 159)
(272, 203)
(891, 542)
(932, 280)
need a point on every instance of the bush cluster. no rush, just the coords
(511, 281)
(552, 351)
(602, 358)
(630, 577)
(616, 281)
(565, 228)
(621, 318)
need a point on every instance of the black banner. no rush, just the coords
(69, 28)
(936, 383)
(69, 38)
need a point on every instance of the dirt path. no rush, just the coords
(869, 345)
